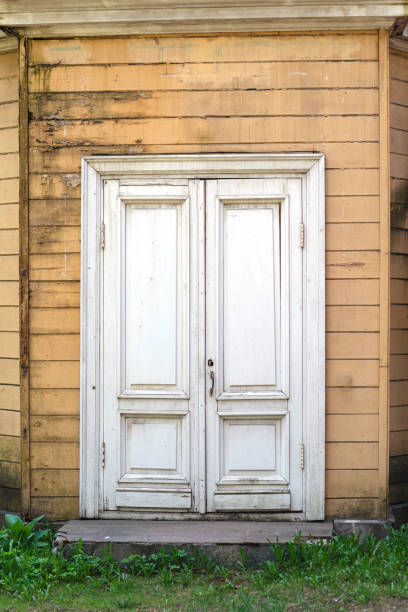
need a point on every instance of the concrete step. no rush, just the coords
(224, 540)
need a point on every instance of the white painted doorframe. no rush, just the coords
(307, 167)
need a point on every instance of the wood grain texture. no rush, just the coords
(359, 508)
(55, 483)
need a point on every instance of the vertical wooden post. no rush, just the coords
(383, 418)
(24, 280)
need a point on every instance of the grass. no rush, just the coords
(340, 574)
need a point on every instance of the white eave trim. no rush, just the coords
(86, 17)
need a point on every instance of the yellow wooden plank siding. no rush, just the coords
(10, 468)
(399, 278)
(187, 94)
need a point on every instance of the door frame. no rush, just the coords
(307, 166)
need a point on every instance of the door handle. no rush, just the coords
(212, 378)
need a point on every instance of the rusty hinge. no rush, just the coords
(102, 236)
(103, 454)
(302, 235)
(302, 457)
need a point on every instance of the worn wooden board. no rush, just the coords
(54, 347)
(56, 508)
(398, 392)
(352, 264)
(9, 116)
(351, 483)
(59, 483)
(10, 397)
(259, 47)
(399, 367)
(399, 291)
(9, 372)
(398, 266)
(8, 189)
(352, 345)
(399, 341)
(10, 423)
(9, 164)
(8, 216)
(352, 428)
(352, 236)
(352, 373)
(55, 267)
(359, 292)
(399, 418)
(63, 294)
(10, 474)
(352, 318)
(9, 344)
(55, 212)
(355, 508)
(351, 455)
(54, 428)
(9, 141)
(349, 400)
(55, 239)
(9, 241)
(9, 267)
(398, 443)
(54, 321)
(9, 448)
(54, 374)
(55, 455)
(399, 316)
(9, 318)
(54, 401)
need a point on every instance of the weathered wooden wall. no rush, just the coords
(294, 92)
(9, 290)
(399, 278)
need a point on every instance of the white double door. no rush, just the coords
(201, 346)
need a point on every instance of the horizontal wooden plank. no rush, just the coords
(351, 483)
(398, 117)
(54, 294)
(399, 189)
(230, 75)
(10, 397)
(362, 292)
(352, 264)
(353, 182)
(9, 142)
(54, 374)
(10, 474)
(352, 209)
(398, 493)
(9, 241)
(399, 316)
(9, 344)
(54, 212)
(54, 321)
(398, 443)
(346, 400)
(56, 508)
(399, 341)
(398, 92)
(9, 89)
(55, 239)
(9, 448)
(352, 318)
(9, 165)
(338, 155)
(8, 65)
(398, 392)
(211, 130)
(398, 469)
(8, 216)
(54, 401)
(352, 346)
(398, 66)
(9, 267)
(60, 483)
(54, 429)
(352, 236)
(352, 456)
(399, 164)
(55, 455)
(55, 267)
(10, 422)
(399, 367)
(240, 47)
(54, 347)
(399, 266)
(399, 418)
(10, 499)
(9, 318)
(9, 190)
(9, 115)
(352, 428)
(399, 241)
(399, 290)
(398, 141)
(9, 293)
(9, 371)
(352, 508)
(137, 104)
(352, 373)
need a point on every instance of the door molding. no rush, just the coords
(307, 166)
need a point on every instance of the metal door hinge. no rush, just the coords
(102, 236)
(302, 235)
(302, 457)
(103, 454)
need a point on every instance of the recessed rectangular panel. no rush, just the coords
(152, 445)
(251, 294)
(130, 498)
(252, 501)
(151, 286)
(250, 447)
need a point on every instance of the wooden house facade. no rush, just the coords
(257, 156)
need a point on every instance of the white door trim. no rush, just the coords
(309, 167)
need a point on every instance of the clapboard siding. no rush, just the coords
(399, 278)
(10, 469)
(175, 94)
